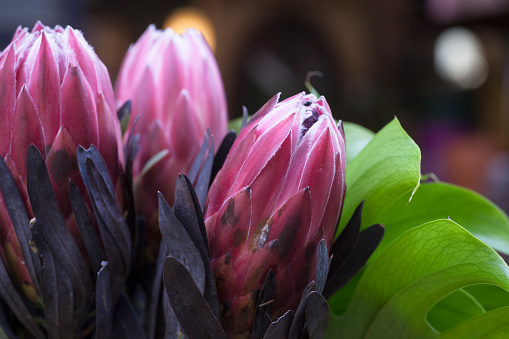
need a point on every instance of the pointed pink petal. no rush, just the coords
(334, 205)
(318, 174)
(299, 159)
(134, 64)
(84, 57)
(233, 224)
(224, 275)
(28, 131)
(38, 27)
(185, 129)
(218, 193)
(290, 225)
(44, 86)
(262, 151)
(19, 34)
(79, 115)
(266, 108)
(62, 166)
(105, 87)
(161, 177)
(151, 142)
(7, 99)
(109, 136)
(269, 183)
(144, 103)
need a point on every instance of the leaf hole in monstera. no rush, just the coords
(464, 304)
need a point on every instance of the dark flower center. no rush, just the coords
(309, 121)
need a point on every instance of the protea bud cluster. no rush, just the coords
(55, 93)
(279, 193)
(176, 90)
(265, 232)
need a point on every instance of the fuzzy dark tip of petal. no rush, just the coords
(341, 129)
(309, 121)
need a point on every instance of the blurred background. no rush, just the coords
(440, 66)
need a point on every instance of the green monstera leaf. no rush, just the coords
(357, 137)
(440, 200)
(423, 276)
(384, 171)
(414, 207)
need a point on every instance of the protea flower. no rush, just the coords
(55, 93)
(278, 194)
(175, 87)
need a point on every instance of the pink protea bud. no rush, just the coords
(55, 93)
(176, 89)
(278, 194)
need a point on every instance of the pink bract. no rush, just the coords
(176, 90)
(278, 194)
(55, 93)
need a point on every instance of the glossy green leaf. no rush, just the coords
(434, 201)
(415, 272)
(357, 137)
(384, 171)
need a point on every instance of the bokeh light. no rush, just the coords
(459, 58)
(190, 17)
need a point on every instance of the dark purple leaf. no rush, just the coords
(106, 206)
(299, 319)
(127, 184)
(222, 153)
(16, 304)
(20, 221)
(179, 244)
(202, 184)
(112, 227)
(54, 230)
(264, 307)
(317, 315)
(347, 239)
(343, 247)
(194, 231)
(189, 209)
(57, 290)
(281, 327)
(245, 117)
(86, 228)
(124, 110)
(126, 323)
(366, 245)
(155, 292)
(98, 160)
(191, 309)
(130, 153)
(322, 265)
(199, 158)
(172, 327)
(103, 307)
